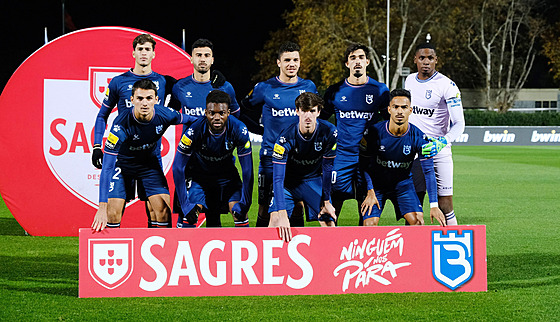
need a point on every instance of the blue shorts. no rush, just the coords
(148, 175)
(215, 195)
(403, 197)
(346, 184)
(265, 180)
(309, 191)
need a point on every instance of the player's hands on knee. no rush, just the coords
(100, 219)
(369, 202)
(438, 215)
(420, 218)
(327, 210)
(280, 219)
(97, 156)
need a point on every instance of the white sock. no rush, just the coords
(451, 219)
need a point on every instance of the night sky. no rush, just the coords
(237, 28)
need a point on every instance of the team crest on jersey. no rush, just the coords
(428, 94)
(406, 149)
(110, 261)
(99, 79)
(318, 146)
(159, 128)
(369, 98)
(452, 257)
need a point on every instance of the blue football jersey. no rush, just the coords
(304, 157)
(278, 106)
(136, 141)
(192, 96)
(390, 157)
(211, 155)
(355, 107)
(118, 94)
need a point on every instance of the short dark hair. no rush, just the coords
(287, 47)
(425, 45)
(200, 43)
(307, 100)
(144, 84)
(353, 47)
(217, 96)
(142, 39)
(400, 92)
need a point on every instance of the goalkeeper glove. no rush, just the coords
(433, 147)
(218, 79)
(97, 156)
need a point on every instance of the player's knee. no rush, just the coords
(373, 221)
(445, 204)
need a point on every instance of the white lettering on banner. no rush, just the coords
(356, 115)
(499, 137)
(284, 112)
(378, 263)
(545, 137)
(463, 138)
(184, 264)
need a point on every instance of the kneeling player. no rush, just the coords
(302, 166)
(387, 152)
(215, 186)
(134, 138)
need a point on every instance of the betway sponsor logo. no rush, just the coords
(306, 162)
(199, 111)
(392, 164)
(545, 137)
(284, 112)
(504, 137)
(356, 115)
(238, 270)
(463, 138)
(423, 111)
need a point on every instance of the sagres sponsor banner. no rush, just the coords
(48, 110)
(253, 261)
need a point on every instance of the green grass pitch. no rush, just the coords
(514, 191)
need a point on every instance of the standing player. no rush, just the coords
(215, 185)
(303, 157)
(387, 152)
(190, 92)
(438, 112)
(119, 92)
(276, 98)
(133, 140)
(357, 102)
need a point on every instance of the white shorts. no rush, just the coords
(443, 166)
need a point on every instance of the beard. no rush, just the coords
(358, 74)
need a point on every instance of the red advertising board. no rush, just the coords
(48, 111)
(253, 261)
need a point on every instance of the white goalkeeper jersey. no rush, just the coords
(436, 106)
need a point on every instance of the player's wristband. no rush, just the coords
(434, 204)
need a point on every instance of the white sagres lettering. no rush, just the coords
(423, 111)
(215, 272)
(356, 115)
(284, 112)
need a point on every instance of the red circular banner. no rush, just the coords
(48, 112)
